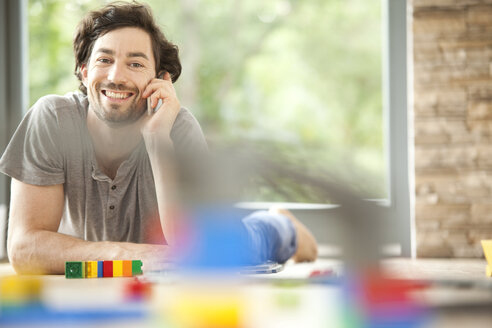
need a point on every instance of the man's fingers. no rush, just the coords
(153, 100)
(167, 77)
(160, 90)
(151, 87)
(158, 84)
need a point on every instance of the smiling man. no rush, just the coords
(93, 170)
(89, 169)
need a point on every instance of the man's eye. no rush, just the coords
(136, 65)
(104, 60)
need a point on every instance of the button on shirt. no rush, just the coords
(52, 146)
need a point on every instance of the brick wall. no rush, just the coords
(452, 52)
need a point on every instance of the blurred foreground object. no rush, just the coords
(19, 290)
(227, 175)
(487, 251)
(41, 301)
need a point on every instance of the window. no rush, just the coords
(301, 78)
(229, 98)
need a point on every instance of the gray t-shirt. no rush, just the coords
(52, 146)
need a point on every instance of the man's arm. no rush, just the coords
(35, 246)
(156, 132)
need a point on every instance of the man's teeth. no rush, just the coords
(117, 95)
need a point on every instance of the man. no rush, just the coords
(91, 170)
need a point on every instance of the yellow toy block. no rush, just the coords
(117, 268)
(19, 290)
(487, 250)
(91, 269)
(218, 310)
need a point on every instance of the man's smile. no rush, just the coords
(117, 103)
(116, 95)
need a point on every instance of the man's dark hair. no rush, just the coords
(117, 15)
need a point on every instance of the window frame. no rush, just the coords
(398, 139)
(14, 92)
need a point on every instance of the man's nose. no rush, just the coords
(116, 73)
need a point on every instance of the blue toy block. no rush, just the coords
(100, 269)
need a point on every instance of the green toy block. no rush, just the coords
(136, 267)
(74, 270)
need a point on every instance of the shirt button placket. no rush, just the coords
(112, 200)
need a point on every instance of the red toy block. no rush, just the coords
(136, 290)
(127, 268)
(107, 268)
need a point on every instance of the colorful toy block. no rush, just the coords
(91, 269)
(127, 268)
(136, 267)
(118, 268)
(100, 269)
(107, 268)
(75, 269)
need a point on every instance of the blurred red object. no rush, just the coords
(382, 290)
(137, 290)
(322, 273)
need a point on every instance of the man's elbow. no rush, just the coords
(14, 252)
(20, 255)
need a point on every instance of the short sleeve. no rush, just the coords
(187, 135)
(190, 149)
(34, 155)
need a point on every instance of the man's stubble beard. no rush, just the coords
(113, 116)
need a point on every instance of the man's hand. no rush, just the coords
(307, 248)
(156, 127)
(153, 257)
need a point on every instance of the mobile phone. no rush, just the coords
(151, 110)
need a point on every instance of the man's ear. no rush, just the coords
(83, 73)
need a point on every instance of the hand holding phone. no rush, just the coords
(162, 106)
(151, 109)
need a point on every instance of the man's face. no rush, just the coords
(119, 68)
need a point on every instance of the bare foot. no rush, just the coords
(307, 248)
